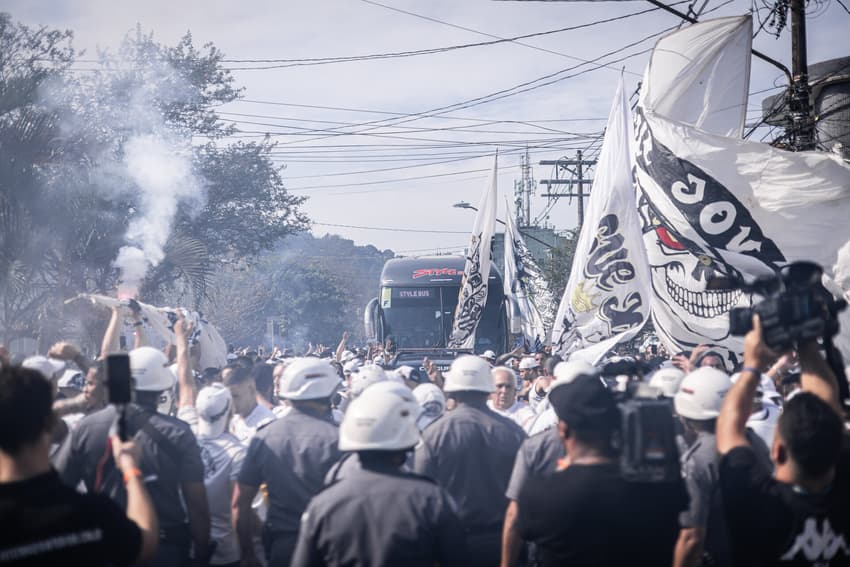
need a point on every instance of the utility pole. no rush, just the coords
(523, 189)
(576, 180)
(802, 124)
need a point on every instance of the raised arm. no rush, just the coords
(139, 506)
(817, 377)
(110, 338)
(341, 347)
(185, 380)
(738, 403)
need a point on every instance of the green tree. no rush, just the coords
(557, 267)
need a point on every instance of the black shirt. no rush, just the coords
(44, 522)
(772, 523)
(589, 515)
(164, 468)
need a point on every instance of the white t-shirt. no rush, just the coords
(520, 412)
(222, 457)
(244, 429)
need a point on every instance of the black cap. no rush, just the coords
(585, 404)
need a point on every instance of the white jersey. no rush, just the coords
(245, 428)
(520, 412)
(763, 422)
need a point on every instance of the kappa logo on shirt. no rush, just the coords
(817, 545)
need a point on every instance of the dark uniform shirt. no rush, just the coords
(537, 457)
(291, 455)
(44, 522)
(773, 523)
(170, 457)
(470, 452)
(380, 516)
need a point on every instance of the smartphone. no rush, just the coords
(118, 378)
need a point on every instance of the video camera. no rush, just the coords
(648, 450)
(796, 306)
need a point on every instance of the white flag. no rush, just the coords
(476, 272)
(524, 282)
(606, 300)
(713, 204)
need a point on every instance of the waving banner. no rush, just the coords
(473, 289)
(606, 300)
(524, 282)
(713, 204)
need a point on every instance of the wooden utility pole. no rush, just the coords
(802, 124)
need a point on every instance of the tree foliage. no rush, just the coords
(64, 203)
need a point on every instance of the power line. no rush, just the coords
(387, 180)
(391, 229)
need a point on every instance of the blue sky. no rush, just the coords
(556, 119)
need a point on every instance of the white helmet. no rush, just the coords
(667, 380)
(432, 401)
(566, 372)
(352, 366)
(147, 366)
(382, 419)
(701, 393)
(346, 356)
(365, 377)
(469, 374)
(308, 379)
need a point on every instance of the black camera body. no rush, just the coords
(647, 440)
(796, 307)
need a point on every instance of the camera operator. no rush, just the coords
(800, 515)
(45, 522)
(587, 513)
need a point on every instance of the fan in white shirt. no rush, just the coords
(503, 401)
(250, 415)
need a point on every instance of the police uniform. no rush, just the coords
(291, 455)
(538, 456)
(700, 465)
(380, 516)
(470, 452)
(170, 457)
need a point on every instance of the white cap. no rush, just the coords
(379, 360)
(701, 393)
(667, 380)
(381, 419)
(432, 401)
(147, 366)
(527, 363)
(489, 355)
(72, 380)
(308, 378)
(351, 366)
(469, 374)
(214, 403)
(346, 356)
(47, 366)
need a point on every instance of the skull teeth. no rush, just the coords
(705, 303)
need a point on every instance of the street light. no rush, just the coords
(465, 205)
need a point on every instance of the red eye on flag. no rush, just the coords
(668, 239)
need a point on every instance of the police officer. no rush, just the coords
(170, 463)
(377, 514)
(537, 457)
(703, 539)
(470, 452)
(291, 455)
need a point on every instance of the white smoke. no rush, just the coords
(164, 177)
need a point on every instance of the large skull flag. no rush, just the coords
(713, 204)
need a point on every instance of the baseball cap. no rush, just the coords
(528, 363)
(584, 403)
(72, 380)
(489, 355)
(47, 366)
(213, 406)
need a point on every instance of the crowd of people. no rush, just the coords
(340, 457)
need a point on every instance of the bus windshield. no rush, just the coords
(421, 317)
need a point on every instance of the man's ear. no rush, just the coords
(563, 430)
